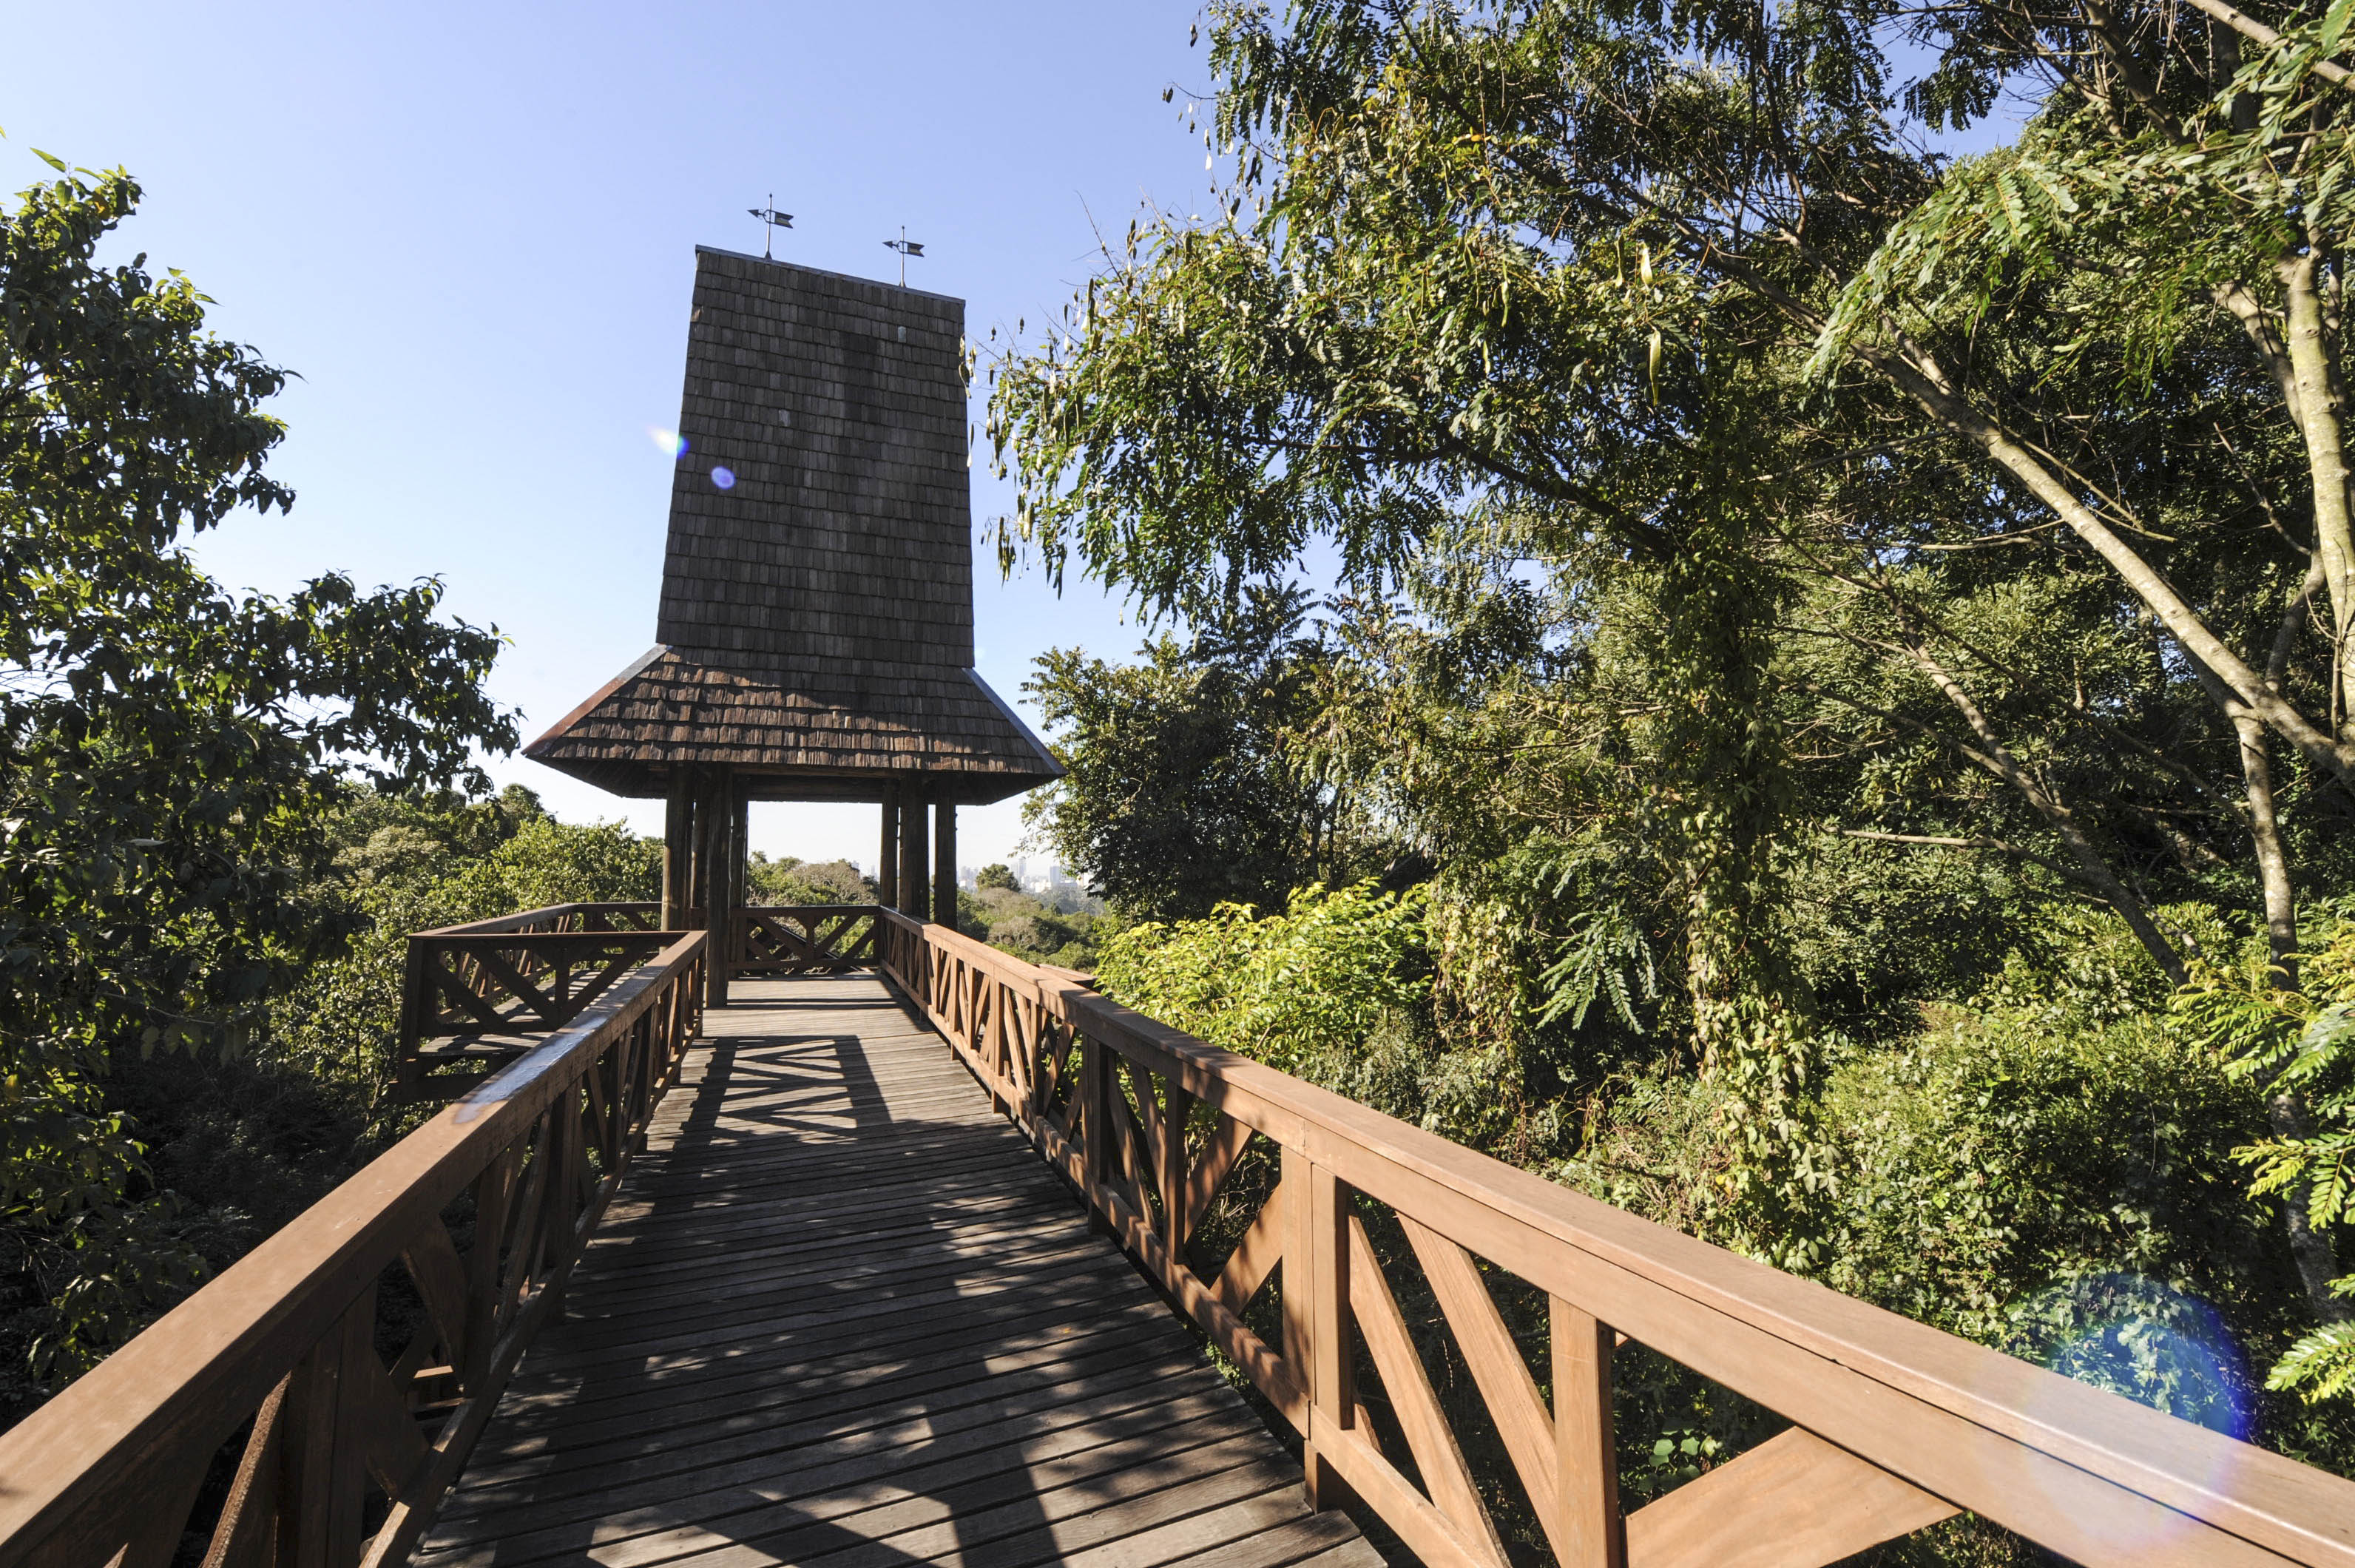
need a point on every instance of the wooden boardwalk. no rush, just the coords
(839, 1314)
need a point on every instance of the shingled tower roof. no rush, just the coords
(815, 632)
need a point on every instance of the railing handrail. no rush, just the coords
(526, 919)
(522, 922)
(186, 1384)
(2052, 1458)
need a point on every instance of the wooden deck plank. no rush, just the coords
(906, 1499)
(1004, 1343)
(995, 1314)
(732, 1458)
(736, 1403)
(841, 1315)
(712, 1420)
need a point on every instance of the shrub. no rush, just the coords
(1312, 982)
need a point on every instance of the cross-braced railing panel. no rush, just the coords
(346, 1450)
(476, 996)
(803, 939)
(1891, 1426)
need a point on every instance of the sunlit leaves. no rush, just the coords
(1311, 981)
(169, 750)
(1181, 792)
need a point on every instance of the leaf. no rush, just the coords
(2320, 1366)
(2329, 1027)
(2334, 27)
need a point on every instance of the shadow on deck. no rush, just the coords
(841, 1314)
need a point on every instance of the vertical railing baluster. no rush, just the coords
(348, 1486)
(326, 1485)
(555, 1195)
(309, 1476)
(493, 1189)
(1331, 1379)
(417, 1009)
(1089, 1123)
(1177, 1110)
(1586, 1457)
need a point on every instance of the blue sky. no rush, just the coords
(471, 230)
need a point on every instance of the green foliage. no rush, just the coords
(2054, 1171)
(551, 862)
(408, 867)
(229, 1150)
(2003, 1156)
(1180, 794)
(787, 881)
(1710, 660)
(2321, 1365)
(997, 876)
(1008, 917)
(1793, 585)
(2297, 1043)
(1287, 988)
(2168, 211)
(169, 751)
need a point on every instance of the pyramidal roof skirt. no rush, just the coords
(815, 629)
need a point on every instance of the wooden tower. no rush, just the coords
(814, 640)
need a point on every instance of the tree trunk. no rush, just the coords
(1992, 755)
(1919, 376)
(2317, 1259)
(2319, 423)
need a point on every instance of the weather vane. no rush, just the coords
(771, 222)
(907, 247)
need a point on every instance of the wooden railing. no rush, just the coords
(802, 939)
(261, 1409)
(1894, 1426)
(477, 996)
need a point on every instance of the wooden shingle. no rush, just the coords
(815, 625)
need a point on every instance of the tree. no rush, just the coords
(169, 752)
(788, 880)
(1676, 300)
(1180, 795)
(997, 875)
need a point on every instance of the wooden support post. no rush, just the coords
(1315, 1221)
(1586, 1457)
(324, 1481)
(678, 851)
(739, 855)
(711, 878)
(1331, 1381)
(887, 865)
(1177, 1110)
(307, 1480)
(493, 1192)
(944, 864)
(698, 872)
(916, 855)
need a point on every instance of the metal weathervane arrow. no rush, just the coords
(771, 222)
(907, 247)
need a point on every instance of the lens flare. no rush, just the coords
(670, 443)
(2148, 1342)
(723, 478)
